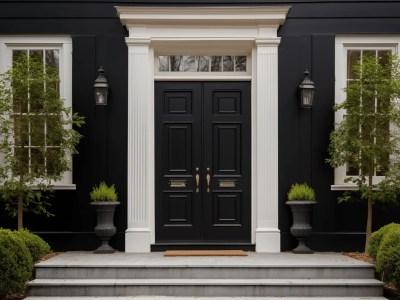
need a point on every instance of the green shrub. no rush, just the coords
(15, 263)
(301, 192)
(388, 257)
(103, 192)
(376, 238)
(36, 245)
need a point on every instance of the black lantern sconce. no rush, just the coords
(307, 90)
(101, 88)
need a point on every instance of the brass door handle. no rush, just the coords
(197, 183)
(208, 178)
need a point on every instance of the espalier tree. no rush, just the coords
(37, 138)
(368, 138)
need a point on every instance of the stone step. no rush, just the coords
(208, 287)
(199, 298)
(217, 272)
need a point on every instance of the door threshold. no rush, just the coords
(158, 247)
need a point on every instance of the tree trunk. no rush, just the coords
(20, 211)
(369, 218)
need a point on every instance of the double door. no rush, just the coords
(202, 162)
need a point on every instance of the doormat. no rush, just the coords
(205, 253)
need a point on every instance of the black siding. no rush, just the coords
(308, 37)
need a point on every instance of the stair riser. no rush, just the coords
(210, 291)
(229, 273)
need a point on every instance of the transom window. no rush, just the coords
(205, 63)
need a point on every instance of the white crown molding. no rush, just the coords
(238, 15)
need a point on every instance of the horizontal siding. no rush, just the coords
(103, 9)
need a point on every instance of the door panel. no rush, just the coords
(227, 152)
(203, 129)
(177, 153)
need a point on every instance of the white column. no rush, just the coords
(266, 144)
(140, 111)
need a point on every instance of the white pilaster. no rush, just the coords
(140, 111)
(266, 143)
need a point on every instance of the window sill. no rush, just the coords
(61, 186)
(344, 187)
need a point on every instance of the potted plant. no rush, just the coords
(104, 198)
(301, 199)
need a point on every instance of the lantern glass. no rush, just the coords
(100, 94)
(307, 97)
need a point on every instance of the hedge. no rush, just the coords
(376, 238)
(388, 256)
(16, 263)
(36, 245)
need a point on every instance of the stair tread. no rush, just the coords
(197, 298)
(292, 282)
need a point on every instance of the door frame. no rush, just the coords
(183, 30)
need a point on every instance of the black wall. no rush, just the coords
(307, 42)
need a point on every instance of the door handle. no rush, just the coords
(197, 183)
(208, 179)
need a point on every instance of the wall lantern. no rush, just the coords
(307, 90)
(100, 88)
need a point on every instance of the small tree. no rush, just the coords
(37, 137)
(368, 139)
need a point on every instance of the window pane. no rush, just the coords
(371, 53)
(21, 130)
(240, 63)
(176, 63)
(163, 63)
(22, 161)
(216, 63)
(20, 91)
(53, 161)
(52, 58)
(189, 63)
(37, 130)
(204, 63)
(37, 161)
(54, 127)
(352, 57)
(228, 63)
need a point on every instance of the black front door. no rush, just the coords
(202, 162)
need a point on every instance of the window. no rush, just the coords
(348, 51)
(188, 63)
(31, 127)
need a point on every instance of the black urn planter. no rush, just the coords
(105, 228)
(301, 228)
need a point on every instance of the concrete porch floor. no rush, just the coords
(284, 259)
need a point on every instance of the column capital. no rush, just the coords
(270, 42)
(137, 41)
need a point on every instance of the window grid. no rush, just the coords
(354, 55)
(35, 159)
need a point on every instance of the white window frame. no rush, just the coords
(64, 45)
(342, 45)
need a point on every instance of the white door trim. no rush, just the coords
(155, 30)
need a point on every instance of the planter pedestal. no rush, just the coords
(105, 228)
(301, 228)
